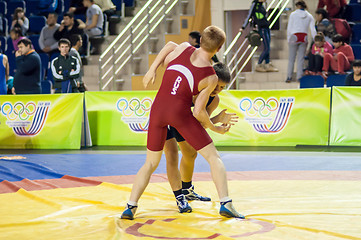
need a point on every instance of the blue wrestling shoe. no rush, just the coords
(129, 212)
(182, 204)
(227, 210)
(191, 195)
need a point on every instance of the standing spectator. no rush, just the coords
(315, 58)
(299, 23)
(69, 26)
(341, 58)
(76, 43)
(20, 21)
(65, 69)
(77, 7)
(107, 7)
(28, 68)
(335, 8)
(259, 18)
(94, 19)
(324, 25)
(4, 73)
(16, 35)
(353, 79)
(47, 42)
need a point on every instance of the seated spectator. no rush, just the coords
(20, 21)
(4, 73)
(16, 35)
(77, 7)
(341, 58)
(69, 26)
(107, 7)
(47, 42)
(335, 8)
(94, 19)
(28, 69)
(65, 69)
(353, 79)
(324, 25)
(76, 43)
(48, 6)
(315, 57)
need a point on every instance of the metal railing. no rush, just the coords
(122, 50)
(234, 51)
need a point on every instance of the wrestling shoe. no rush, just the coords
(227, 210)
(191, 195)
(129, 212)
(182, 204)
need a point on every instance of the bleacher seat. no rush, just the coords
(310, 81)
(60, 8)
(336, 80)
(118, 4)
(80, 16)
(356, 50)
(46, 86)
(35, 41)
(66, 5)
(353, 12)
(12, 5)
(32, 7)
(36, 23)
(3, 43)
(129, 3)
(49, 75)
(12, 62)
(354, 1)
(356, 34)
(5, 26)
(44, 64)
(9, 44)
(3, 8)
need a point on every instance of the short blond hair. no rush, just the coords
(212, 38)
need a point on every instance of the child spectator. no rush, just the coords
(319, 48)
(47, 42)
(20, 21)
(353, 79)
(341, 58)
(324, 25)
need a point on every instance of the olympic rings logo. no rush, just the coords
(18, 111)
(258, 106)
(134, 106)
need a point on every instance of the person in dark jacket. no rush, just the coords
(354, 78)
(68, 27)
(258, 14)
(65, 69)
(28, 67)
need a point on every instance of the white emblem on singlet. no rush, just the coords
(186, 72)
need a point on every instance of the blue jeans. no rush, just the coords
(266, 35)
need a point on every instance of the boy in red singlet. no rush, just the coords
(188, 73)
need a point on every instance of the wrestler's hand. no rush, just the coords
(222, 129)
(227, 118)
(149, 77)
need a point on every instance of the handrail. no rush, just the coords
(233, 61)
(131, 39)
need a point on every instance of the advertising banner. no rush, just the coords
(119, 118)
(346, 117)
(41, 121)
(276, 117)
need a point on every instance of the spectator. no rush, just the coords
(76, 43)
(16, 35)
(341, 58)
(47, 42)
(324, 25)
(299, 23)
(4, 73)
(194, 39)
(77, 7)
(353, 79)
(107, 7)
(69, 26)
(335, 8)
(48, 6)
(258, 14)
(94, 19)
(65, 69)
(28, 68)
(20, 21)
(315, 58)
